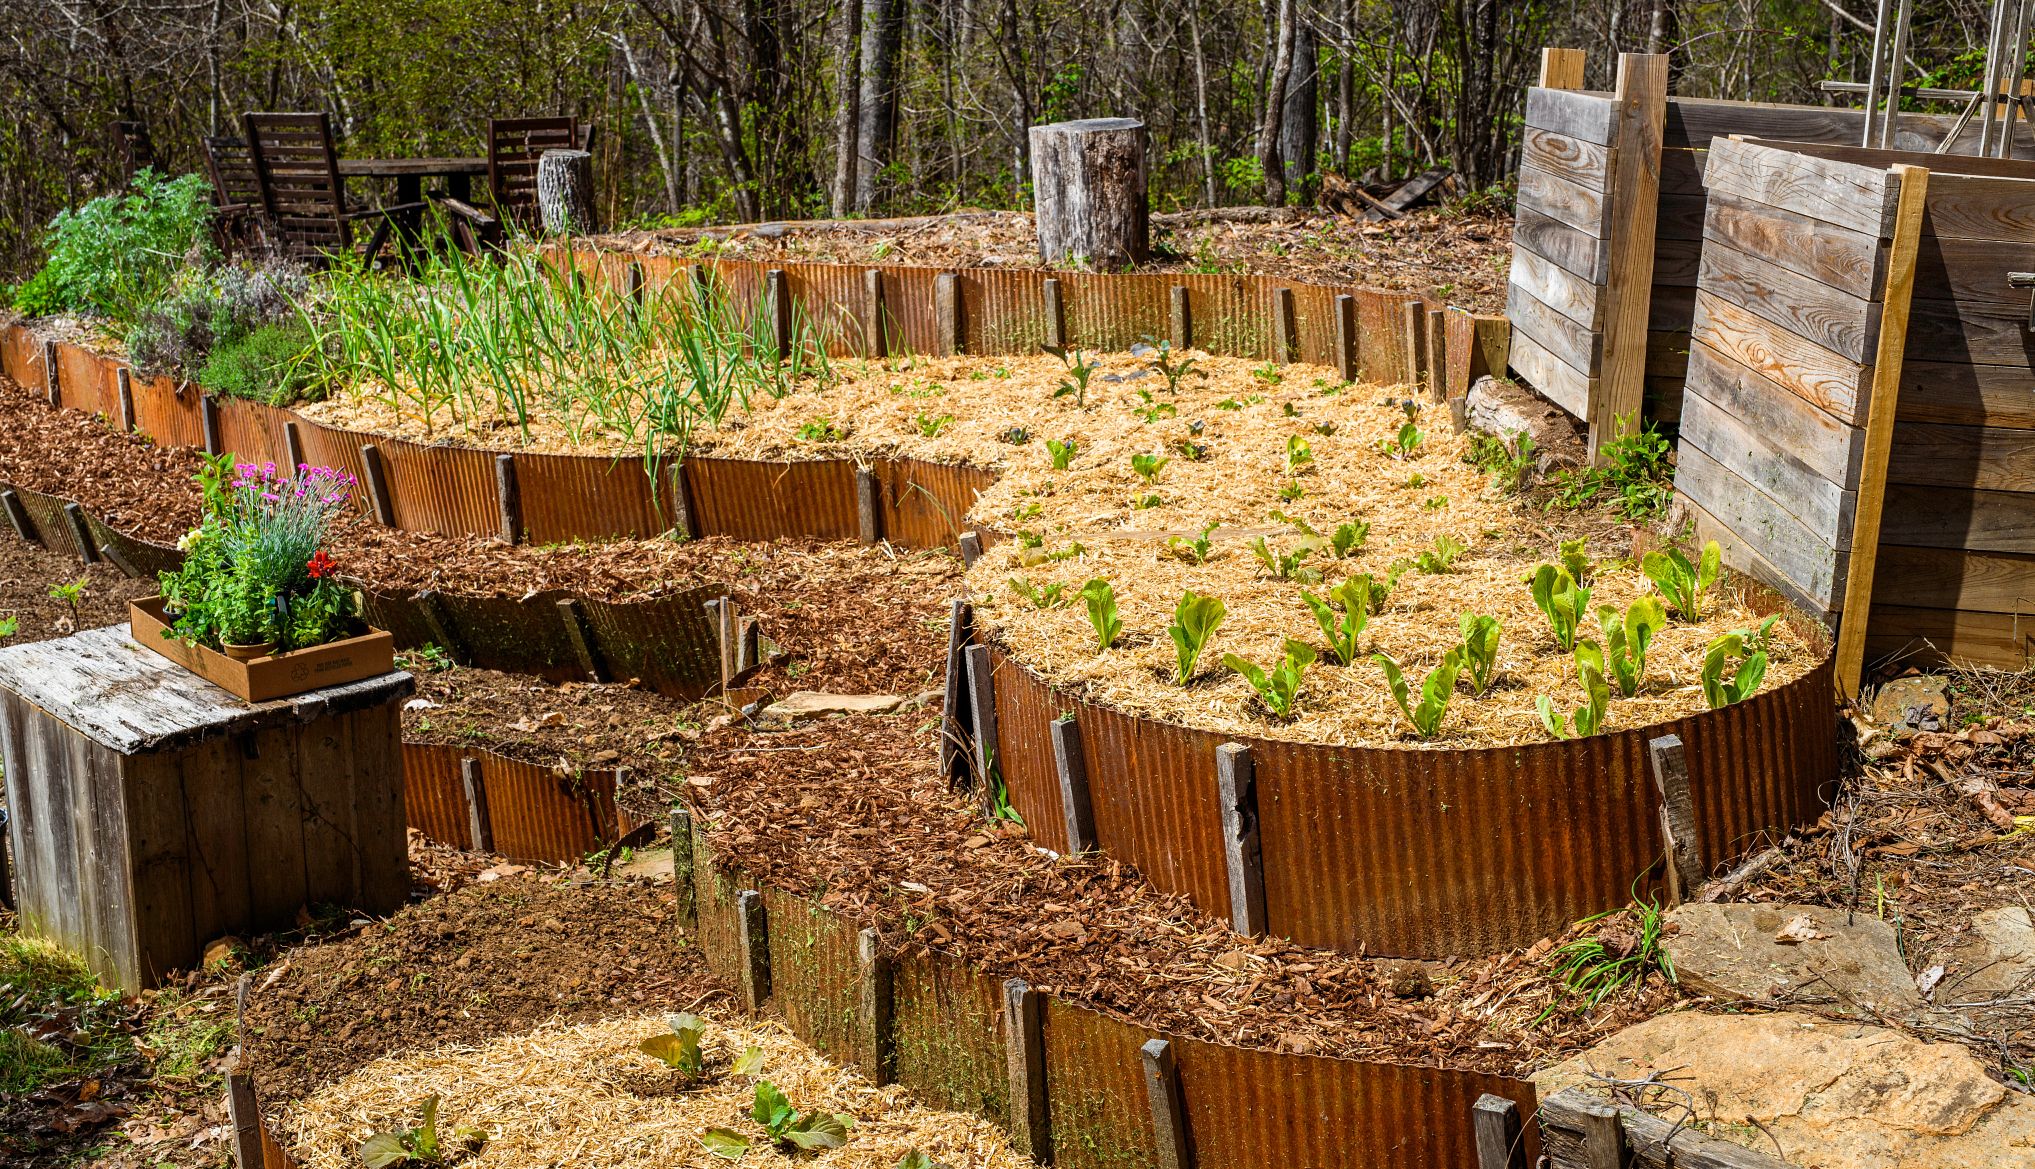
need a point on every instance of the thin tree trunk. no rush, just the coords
(1201, 104)
(882, 30)
(1275, 108)
(848, 107)
(1300, 125)
(1346, 86)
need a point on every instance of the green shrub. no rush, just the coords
(116, 254)
(268, 365)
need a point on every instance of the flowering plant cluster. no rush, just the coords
(253, 570)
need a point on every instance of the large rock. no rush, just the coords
(1921, 702)
(1799, 953)
(1996, 961)
(810, 704)
(1834, 1095)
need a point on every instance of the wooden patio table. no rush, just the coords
(410, 174)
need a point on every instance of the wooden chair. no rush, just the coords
(137, 149)
(514, 146)
(303, 195)
(236, 192)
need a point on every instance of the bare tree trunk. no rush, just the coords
(1300, 125)
(847, 105)
(1201, 104)
(1275, 108)
(1346, 86)
(882, 31)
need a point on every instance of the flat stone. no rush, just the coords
(1996, 961)
(808, 704)
(653, 864)
(1835, 1095)
(1765, 953)
(1921, 702)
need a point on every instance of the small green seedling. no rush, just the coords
(1681, 582)
(1148, 467)
(1435, 691)
(1081, 367)
(1154, 410)
(1324, 429)
(1193, 452)
(679, 1048)
(784, 1126)
(1062, 452)
(1576, 559)
(1408, 440)
(1279, 688)
(1720, 691)
(821, 430)
(1101, 598)
(1269, 373)
(72, 596)
(1626, 639)
(1173, 370)
(1563, 600)
(420, 1145)
(1441, 558)
(1349, 538)
(1193, 551)
(1588, 718)
(1299, 454)
(1291, 491)
(1195, 620)
(1342, 629)
(1285, 565)
(930, 425)
(8, 626)
(1014, 436)
(1757, 640)
(1046, 596)
(1480, 650)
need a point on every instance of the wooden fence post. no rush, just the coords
(1285, 327)
(1684, 851)
(431, 607)
(947, 309)
(1603, 1137)
(1437, 362)
(1182, 335)
(1562, 68)
(379, 495)
(51, 376)
(1499, 1140)
(875, 978)
(1413, 336)
(1073, 770)
(1634, 188)
(682, 521)
(956, 724)
(1025, 1051)
(508, 499)
(17, 516)
(1237, 791)
(1169, 1110)
(293, 445)
(581, 635)
(124, 379)
(753, 939)
(244, 1115)
(208, 423)
(982, 712)
(111, 555)
(74, 518)
(633, 284)
(969, 545)
(480, 826)
(1056, 313)
(778, 290)
(875, 326)
(682, 872)
(1346, 337)
(868, 505)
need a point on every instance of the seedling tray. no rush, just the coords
(266, 678)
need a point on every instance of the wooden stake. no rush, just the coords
(580, 634)
(683, 525)
(124, 379)
(879, 1032)
(17, 516)
(81, 533)
(293, 445)
(868, 505)
(1437, 335)
(1169, 1109)
(508, 500)
(970, 544)
(728, 627)
(1073, 771)
(753, 939)
(1678, 818)
(778, 290)
(1346, 337)
(1879, 428)
(51, 377)
(244, 1114)
(982, 711)
(1285, 327)
(1056, 313)
(380, 498)
(1237, 791)
(956, 725)
(875, 323)
(480, 826)
(208, 422)
(1634, 184)
(1603, 1136)
(1499, 1143)
(633, 284)
(1413, 336)
(1183, 319)
(1561, 68)
(113, 556)
(1024, 1039)
(748, 644)
(431, 607)
(682, 871)
(953, 336)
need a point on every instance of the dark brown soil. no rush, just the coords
(27, 573)
(1454, 256)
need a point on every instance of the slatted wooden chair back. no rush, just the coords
(137, 149)
(231, 165)
(297, 173)
(514, 146)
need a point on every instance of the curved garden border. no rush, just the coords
(1426, 853)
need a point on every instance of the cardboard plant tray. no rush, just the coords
(276, 676)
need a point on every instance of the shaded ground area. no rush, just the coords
(29, 573)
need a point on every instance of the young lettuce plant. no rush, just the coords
(1349, 538)
(1062, 453)
(1101, 598)
(786, 1127)
(1285, 565)
(1193, 551)
(1279, 687)
(1720, 691)
(1563, 600)
(679, 1048)
(1342, 630)
(1299, 454)
(1588, 718)
(1681, 582)
(1480, 650)
(1626, 639)
(1577, 560)
(1441, 558)
(420, 1145)
(1148, 467)
(1047, 596)
(1435, 691)
(1195, 620)
(1081, 367)
(1173, 370)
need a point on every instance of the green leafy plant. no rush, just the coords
(273, 364)
(1407, 440)
(1291, 491)
(1441, 558)
(1080, 367)
(1174, 369)
(8, 626)
(1299, 454)
(420, 1145)
(782, 1125)
(679, 1048)
(1683, 583)
(71, 595)
(1509, 460)
(1564, 601)
(1435, 691)
(1147, 501)
(1480, 650)
(1062, 452)
(1760, 639)
(1101, 598)
(1195, 619)
(1632, 470)
(1626, 638)
(1599, 965)
(1285, 565)
(1148, 467)
(116, 255)
(1046, 596)
(1342, 629)
(1193, 551)
(1576, 559)
(821, 429)
(1279, 687)
(930, 425)
(1588, 718)
(1154, 410)
(1721, 691)
(1349, 538)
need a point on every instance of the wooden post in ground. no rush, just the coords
(17, 516)
(74, 518)
(1237, 793)
(1500, 1143)
(508, 500)
(381, 499)
(982, 712)
(777, 295)
(1056, 314)
(208, 423)
(52, 376)
(875, 323)
(1437, 362)
(1413, 338)
(580, 634)
(293, 445)
(431, 607)
(1088, 181)
(111, 555)
(480, 826)
(243, 1113)
(1024, 1040)
(969, 544)
(683, 525)
(1562, 68)
(1169, 1109)
(1684, 852)
(1888, 357)
(1634, 186)
(1182, 334)
(1346, 337)
(956, 723)
(753, 940)
(124, 379)
(947, 310)
(868, 505)
(1285, 327)
(633, 283)
(682, 870)
(1603, 1137)
(1072, 767)
(874, 977)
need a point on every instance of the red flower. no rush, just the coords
(320, 567)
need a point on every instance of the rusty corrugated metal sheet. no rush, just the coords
(46, 515)
(522, 635)
(252, 431)
(146, 557)
(667, 643)
(751, 500)
(539, 814)
(925, 504)
(167, 411)
(434, 798)
(717, 932)
(948, 1027)
(273, 1155)
(1382, 351)
(814, 978)
(395, 612)
(1423, 853)
(20, 356)
(86, 381)
(1099, 1113)
(575, 497)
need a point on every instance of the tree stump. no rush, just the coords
(565, 192)
(1088, 180)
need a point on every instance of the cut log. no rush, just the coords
(565, 192)
(1089, 180)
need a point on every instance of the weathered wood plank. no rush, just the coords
(1848, 261)
(1802, 557)
(1953, 578)
(1694, 121)
(1671, 310)
(1967, 395)
(1857, 197)
(1682, 169)
(1743, 557)
(1559, 199)
(1554, 379)
(1817, 503)
(1830, 380)
(1584, 163)
(1676, 262)
(1959, 517)
(1578, 347)
(1992, 458)
(1825, 445)
(1664, 401)
(1667, 352)
(1576, 251)
(2004, 640)
(1839, 150)
(1972, 332)
(1973, 271)
(218, 820)
(1981, 207)
(1559, 289)
(1835, 320)
(1580, 114)
(1679, 217)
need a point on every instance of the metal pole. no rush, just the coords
(2013, 68)
(1873, 75)
(1894, 74)
(1989, 88)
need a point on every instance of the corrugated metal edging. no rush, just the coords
(46, 513)
(717, 932)
(925, 504)
(166, 410)
(584, 497)
(1002, 310)
(395, 612)
(814, 977)
(1382, 353)
(1247, 1108)
(21, 356)
(667, 643)
(1113, 312)
(830, 302)
(522, 635)
(330, 446)
(434, 797)
(147, 558)
(1098, 1110)
(948, 1026)
(445, 489)
(771, 500)
(539, 814)
(1025, 710)
(253, 431)
(87, 381)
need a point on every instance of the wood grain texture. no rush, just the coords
(1970, 395)
(1899, 633)
(1587, 164)
(1562, 68)
(1557, 288)
(1577, 346)
(1973, 271)
(1667, 352)
(1586, 116)
(1971, 332)
(1680, 217)
(1985, 457)
(1682, 170)
(1693, 122)
(1578, 206)
(1832, 319)
(1982, 207)
(1857, 197)
(1815, 374)
(1580, 252)
(1556, 380)
(1819, 504)
(1745, 558)
(1676, 262)
(1952, 578)
(1803, 558)
(1821, 442)
(1959, 517)
(1848, 261)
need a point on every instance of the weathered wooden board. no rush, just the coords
(1577, 347)
(1577, 251)
(1829, 380)
(1671, 309)
(1663, 401)
(1567, 202)
(1824, 445)
(1985, 457)
(1680, 217)
(1580, 114)
(1958, 517)
(1981, 207)
(1970, 395)
(1556, 380)
(1587, 164)
(1676, 263)
(1746, 558)
(1815, 502)
(1849, 195)
(1973, 333)
(1803, 558)
(1936, 164)
(1558, 288)
(1952, 578)
(2004, 640)
(1848, 261)
(1693, 122)
(1835, 320)
(1667, 353)
(1973, 271)
(1682, 170)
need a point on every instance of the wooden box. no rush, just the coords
(275, 676)
(153, 812)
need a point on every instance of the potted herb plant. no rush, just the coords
(258, 606)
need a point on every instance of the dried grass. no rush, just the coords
(584, 1095)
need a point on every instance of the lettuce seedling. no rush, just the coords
(1588, 718)
(1062, 452)
(821, 430)
(785, 1127)
(1148, 500)
(930, 425)
(1441, 558)
(420, 1145)
(1435, 691)
(1480, 650)
(1299, 454)
(1576, 560)
(1081, 368)
(1047, 596)
(1154, 410)
(1681, 582)
(1720, 691)
(1285, 565)
(1626, 639)
(1342, 631)
(1279, 688)
(1291, 491)
(679, 1048)
(1755, 639)
(1193, 551)
(1101, 598)
(1194, 621)
(1148, 466)
(1349, 538)
(1174, 371)
(1408, 439)
(1563, 600)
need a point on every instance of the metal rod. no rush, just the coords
(1893, 114)
(1919, 92)
(1873, 75)
(1989, 87)
(2019, 73)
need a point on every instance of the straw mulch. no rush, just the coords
(585, 1095)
